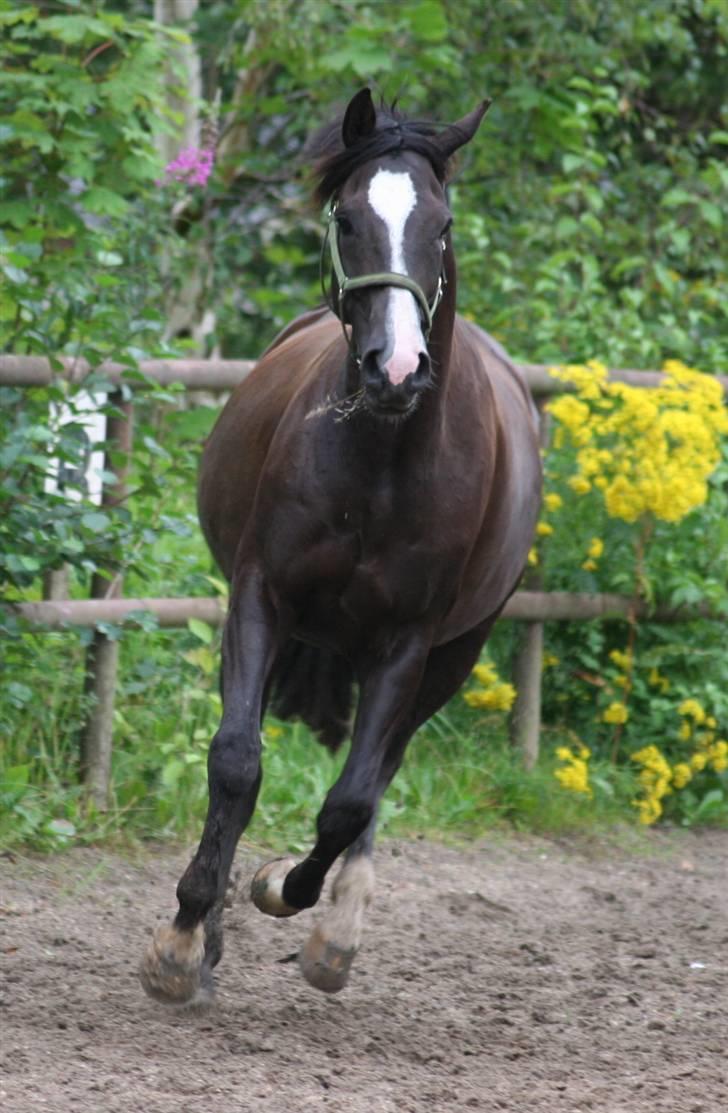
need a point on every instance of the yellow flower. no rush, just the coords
(543, 529)
(485, 673)
(579, 484)
(590, 565)
(615, 713)
(533, 557)
(691, 708)
(654, 778)
(698, 762)
(681, 774)
(596, 548)
(574, 774)
(621, 660)
(686, 732)
(499, 697)
(718, 754)
(650, 809)
(549, 660)
(552, 501)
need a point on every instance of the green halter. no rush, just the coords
(378, 278)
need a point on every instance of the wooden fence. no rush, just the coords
(532, 608)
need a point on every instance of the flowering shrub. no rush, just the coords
(627, 467)
(647, 451)
(192, 166)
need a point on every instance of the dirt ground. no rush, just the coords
(521, 974)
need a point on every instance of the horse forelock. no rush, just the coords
(333, 163)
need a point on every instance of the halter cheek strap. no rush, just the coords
(378, 278)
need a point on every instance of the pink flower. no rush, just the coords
(192, 165)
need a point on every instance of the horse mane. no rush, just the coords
(332, 162)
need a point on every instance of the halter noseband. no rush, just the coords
(378, 278)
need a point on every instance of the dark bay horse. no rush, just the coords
(370, 492)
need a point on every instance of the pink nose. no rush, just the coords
(402, 364)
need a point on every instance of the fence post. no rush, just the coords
(102, 656)
(525, 723)
(55, 584)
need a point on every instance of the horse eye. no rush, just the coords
(344, 225)
(446, 229)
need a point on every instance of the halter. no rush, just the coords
(378, 278)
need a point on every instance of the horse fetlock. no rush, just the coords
(266, 889)
(355, 883)
(172, 968)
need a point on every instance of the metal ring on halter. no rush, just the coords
(378, 278)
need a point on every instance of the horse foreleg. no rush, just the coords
(177, 967)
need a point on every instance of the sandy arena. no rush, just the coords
(521, 974)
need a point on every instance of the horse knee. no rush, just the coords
(233, 764)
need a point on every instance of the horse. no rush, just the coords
(370, 491)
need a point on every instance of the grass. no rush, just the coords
(460, 777)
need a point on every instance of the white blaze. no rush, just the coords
(393, 197)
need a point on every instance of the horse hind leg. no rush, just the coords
(315, 685)
(328, 955)
(283, 887)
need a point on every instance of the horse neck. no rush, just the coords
(440, 343)
(427, 422)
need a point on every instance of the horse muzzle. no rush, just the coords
(396, 395)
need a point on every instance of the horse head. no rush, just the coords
(389, 234)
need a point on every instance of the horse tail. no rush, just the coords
(315, 685)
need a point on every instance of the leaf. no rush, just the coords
(104, 202)
(172, 772)
(96, 521)
(675, 197)
(201, 630)
(711, 213)
(427, 20)
(16, 776)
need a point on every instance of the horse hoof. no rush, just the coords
(324, 964)
(172, 968)
(266, 889)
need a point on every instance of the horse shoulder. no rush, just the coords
(510, 465)
(238, 448)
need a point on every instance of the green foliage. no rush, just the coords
(590, 210)
(590, 221)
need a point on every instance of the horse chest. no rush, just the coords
(357, 578)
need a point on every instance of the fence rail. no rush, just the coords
(225, 374)
(524, 606)
(530, 607)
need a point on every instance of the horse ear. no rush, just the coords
(458, 134)
(360, 118)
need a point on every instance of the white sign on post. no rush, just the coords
(85, 480)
